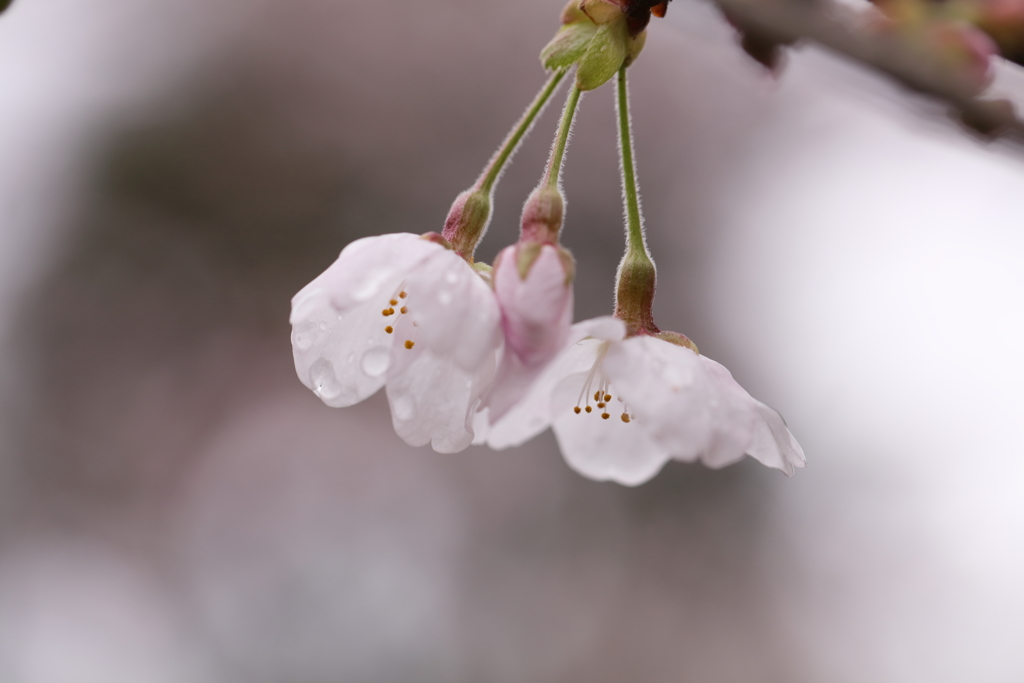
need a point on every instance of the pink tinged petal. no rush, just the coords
(534, 412)
(342, 358)
(433, 400)
(453, 309)
(369, 269)
(536, 312)
(667, 392)
(773, 444)
(734, 416)
(603, 449)
(605, 328)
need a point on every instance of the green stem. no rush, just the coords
(508, 147)
(637, 277)
(554, 170)
(636, 245)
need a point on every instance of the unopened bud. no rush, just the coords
(467, 221)
(634, 293)
(542, 216)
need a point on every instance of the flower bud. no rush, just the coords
(533, 286)
(634, 294)
(542, 215)
(467, 221)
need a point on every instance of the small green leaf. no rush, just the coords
(604, 56)
(526, 255)
(568, 45)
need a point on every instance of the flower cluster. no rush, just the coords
(470, 354)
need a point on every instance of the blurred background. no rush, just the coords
(176, 507)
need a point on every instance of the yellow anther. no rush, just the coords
(402, 295)
(409, 343)
(576, 410)
(625, 417)
(588, 409)
(601, 404)
(404, 309)
(607, 397)
(597, 395)
(389, 329)
(605, 416)
(393, 302)
(386, 312)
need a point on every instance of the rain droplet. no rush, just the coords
(325, 383)
(306, 336)
(376, 361)
(404, 408)
(444, 297)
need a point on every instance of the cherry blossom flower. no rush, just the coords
(622, 407)
(407, 312)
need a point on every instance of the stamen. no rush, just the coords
(625, 417)
(605, 416)
(409, 343)
(601, 404)
(589, 409)
(597, 395)
(576, 410)
(402, 295)
(389, 329)
(393, 302)
(386, 312)
(607, 397)
(404, 309)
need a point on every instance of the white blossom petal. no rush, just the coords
(772, 443)
(533, 413)
(603, 449)
(342, 358)
(433, 399)
(688, 403)
(454, 309)
(369, 269)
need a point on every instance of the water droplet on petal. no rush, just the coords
(444, 297)
(451, 277)
(306, 335)
(404, 408)
(376, 361)
(325, 383)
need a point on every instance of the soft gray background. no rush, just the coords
(176, 507)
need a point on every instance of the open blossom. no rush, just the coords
(407, 312)
(622, 407)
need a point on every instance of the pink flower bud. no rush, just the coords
(533, 285)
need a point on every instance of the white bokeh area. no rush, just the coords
(881, 300)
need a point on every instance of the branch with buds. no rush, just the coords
(940, 49)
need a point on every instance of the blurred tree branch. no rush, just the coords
(862, 35)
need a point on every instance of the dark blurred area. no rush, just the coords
(177, 507)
